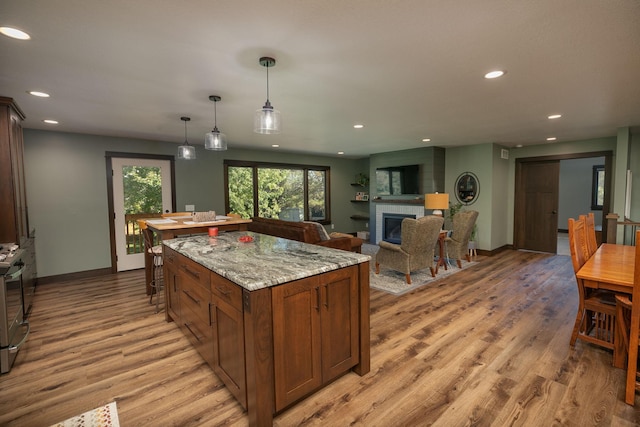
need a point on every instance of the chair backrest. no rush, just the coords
(634, 329)
(146, 233)
(420, 235)
(463, 223)
(578, 243)
(590, 230)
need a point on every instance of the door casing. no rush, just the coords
(109, 155)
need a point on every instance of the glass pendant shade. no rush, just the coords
(186, 151)
(215, 140)
(267, 120)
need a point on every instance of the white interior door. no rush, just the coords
(140, 187)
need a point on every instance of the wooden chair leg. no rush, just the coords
(433, 273)
(377, 268)
(408, 276)
(459, 263)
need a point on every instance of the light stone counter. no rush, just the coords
(264, 262)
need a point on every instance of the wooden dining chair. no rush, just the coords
(595, 319)
(590, 229)
(628, 329)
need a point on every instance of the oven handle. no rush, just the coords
(15, 348)
(15, 274)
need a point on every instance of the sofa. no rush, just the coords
(305, 231)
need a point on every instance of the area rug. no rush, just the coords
(104, 416)
(394, 282)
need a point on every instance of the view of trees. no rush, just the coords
(142, 189)
(280, 192)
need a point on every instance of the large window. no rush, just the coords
(274, 190)
(597, 188)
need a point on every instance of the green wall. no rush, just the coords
(67, 191)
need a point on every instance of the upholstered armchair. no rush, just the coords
(416, 248)
(458, 242)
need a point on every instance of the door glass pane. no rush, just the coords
(317, 196)
(142, 189)
(241, 190)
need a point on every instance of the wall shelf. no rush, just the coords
(360, 217)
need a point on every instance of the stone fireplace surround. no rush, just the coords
(381, 208)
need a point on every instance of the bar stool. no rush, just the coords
(157, 277)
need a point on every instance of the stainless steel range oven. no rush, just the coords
(13, 328)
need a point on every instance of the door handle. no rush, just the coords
(554, 212)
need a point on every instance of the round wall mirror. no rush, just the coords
(467, 188)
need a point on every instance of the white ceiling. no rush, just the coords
(406, 69)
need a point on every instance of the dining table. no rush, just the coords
(611, 267)
(174, 226)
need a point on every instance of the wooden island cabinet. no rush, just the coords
(275, 319)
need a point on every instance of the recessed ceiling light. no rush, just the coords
(340, 152)
(554, 116)
(551, 138)
(358, 126)
(494, 74)
(275, 145)
(519, 146)
(14, 33)
(39, 94)
(426, 139)
(50, 121)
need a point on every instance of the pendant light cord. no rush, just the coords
(267, 82)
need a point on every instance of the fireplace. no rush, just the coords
(392, 226)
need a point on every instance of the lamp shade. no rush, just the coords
(186, 152)
(437, 202)
(267, 120)
(215, 140)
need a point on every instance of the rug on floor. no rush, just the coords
(104, 416)
(394, 282)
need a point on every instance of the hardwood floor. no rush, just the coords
(487, 346)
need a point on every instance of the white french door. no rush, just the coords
(141, 187)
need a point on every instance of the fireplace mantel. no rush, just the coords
(400, 201)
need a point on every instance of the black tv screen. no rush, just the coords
(398, 180)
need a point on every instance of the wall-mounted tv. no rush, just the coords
(398, 180)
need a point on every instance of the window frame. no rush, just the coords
(305, 169)
(595, 184)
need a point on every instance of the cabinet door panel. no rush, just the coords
(339, 322)
(199, 334)
(172, 291)
(296, 336)
(228, 348)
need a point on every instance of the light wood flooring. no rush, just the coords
(486, 346)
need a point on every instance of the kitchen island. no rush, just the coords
(276, 319)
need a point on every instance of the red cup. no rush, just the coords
(213, 231)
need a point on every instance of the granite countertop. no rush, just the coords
(264, 262)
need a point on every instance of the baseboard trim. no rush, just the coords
(495, 251)
(74, 276)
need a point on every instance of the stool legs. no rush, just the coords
(156, 281)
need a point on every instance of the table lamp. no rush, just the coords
(437, 202)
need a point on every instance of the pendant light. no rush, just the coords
(267, 119)
(215, 140)
(186, 151)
